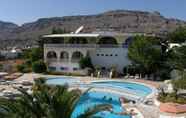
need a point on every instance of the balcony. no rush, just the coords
(84, 46)
(51, 59)
(63, 60)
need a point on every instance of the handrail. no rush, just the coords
(86, 45)
(110, 89)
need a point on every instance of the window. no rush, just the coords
(102, 54)
(64, 68)
(103, 68)
(111, 55)
(106, 55)
(97, 54)
(116, 55)
(75, 69)
(52, 68)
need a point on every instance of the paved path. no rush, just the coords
(149, 111)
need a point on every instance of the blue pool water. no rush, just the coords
(92, 98)
(137, 89)
(62, 81)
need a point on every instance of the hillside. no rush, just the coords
(119, 21)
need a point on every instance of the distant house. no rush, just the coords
(10, 54)
(62, 52)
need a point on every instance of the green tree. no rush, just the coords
(36, 54)
(1, 67)
(177, 58)
(86, 62)
(178, 36)
(39, 67)
(46, 102)
(179, 84)
(145, 53)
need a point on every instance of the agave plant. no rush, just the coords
(46, 102)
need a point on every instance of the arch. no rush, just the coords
(64, 55)
(107, 40)
(78, 40)
(51, 55)
(76, 56)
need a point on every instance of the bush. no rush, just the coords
(114, 72)
(28, 62)
(23, 68)
(85, 63)
(1, 67)
(39, 67)
(171, 97)
(65, 73)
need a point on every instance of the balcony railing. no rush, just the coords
(73, 60)
(51, 59)
(63, 60)
(85, 45)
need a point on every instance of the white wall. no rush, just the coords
(108, 61)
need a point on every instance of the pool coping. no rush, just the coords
(152, 94)
(89, 80)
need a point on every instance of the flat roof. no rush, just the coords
(92, 35)
(71, 35)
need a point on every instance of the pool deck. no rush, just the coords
(153, 111)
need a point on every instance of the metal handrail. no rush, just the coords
(86, 45)
(110, 89)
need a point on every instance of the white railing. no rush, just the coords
(85, 45)
(51, 60)
(63, 60)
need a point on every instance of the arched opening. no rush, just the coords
(51, 55)
(107, 41)
(76, 56)
(64, 56)
(78, 40)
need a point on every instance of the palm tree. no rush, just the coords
(46, 102)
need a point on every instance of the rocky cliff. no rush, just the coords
(119, 21)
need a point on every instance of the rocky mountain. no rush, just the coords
(118, 21)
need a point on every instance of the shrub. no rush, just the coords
(85, 63)
(28, 62)
(114, 71)
(39, 67)
(125, 71)
(23, 68)
(1, 67)
(171, 97)
(65, 73)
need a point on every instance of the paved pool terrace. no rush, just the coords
(107, 85)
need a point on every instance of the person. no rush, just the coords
(132, 113)
(122, 100)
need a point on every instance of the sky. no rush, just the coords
(23, 11)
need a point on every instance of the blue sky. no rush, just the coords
(21, 11)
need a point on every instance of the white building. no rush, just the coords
(62, 52)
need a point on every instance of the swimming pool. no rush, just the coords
(94, 98)
(137, 89)
(129, 87)
(99, 97)
(62, 81)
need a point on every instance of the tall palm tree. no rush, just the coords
(46, 102)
